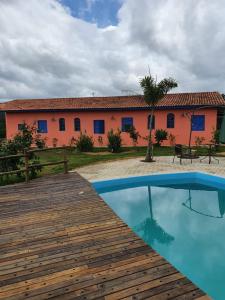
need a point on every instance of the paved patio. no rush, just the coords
(131, 167)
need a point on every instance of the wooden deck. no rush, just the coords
(59, 240)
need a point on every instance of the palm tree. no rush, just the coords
(153, 92)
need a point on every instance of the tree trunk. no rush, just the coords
(149, 153)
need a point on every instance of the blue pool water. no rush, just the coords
(182, 217)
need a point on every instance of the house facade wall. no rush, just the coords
(113, 120)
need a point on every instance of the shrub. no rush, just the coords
(9, 148)
(54, 142)
(160, 135)
(114, 141)
(199, 140)
(134, 135)
(100, 140)
(172, 139)
(24, 138)
(39, 141)
(72, 142)
(215, 136)
(21, 142)
(84, 143)
(147, 138)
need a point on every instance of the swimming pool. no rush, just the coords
(181, 216)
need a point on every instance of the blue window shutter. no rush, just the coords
(62, 124)
(127, 123)
(20, 126)
(76, 124)
(99, 126)
(42, 126)
(170, 120)
(198, 123)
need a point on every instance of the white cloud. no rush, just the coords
(45, 52)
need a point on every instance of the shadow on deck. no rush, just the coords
(58, 239)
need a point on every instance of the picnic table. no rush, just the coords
(185, 152)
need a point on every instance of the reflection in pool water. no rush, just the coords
(182, 222)
(150, 230)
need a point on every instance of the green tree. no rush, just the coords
(153, 92)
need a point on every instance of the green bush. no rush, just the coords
(199, 140)
(54, 142)
(160, 135)
(114, 141)
(84, 143)
(21, 142)
(172, 139)
(10, 148)
(134, 135)
(24, 138)
(215, 136)
(39, 142)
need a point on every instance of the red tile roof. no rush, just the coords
(118, 102)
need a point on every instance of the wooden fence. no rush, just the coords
(28, 167)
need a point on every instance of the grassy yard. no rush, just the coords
(77, 159)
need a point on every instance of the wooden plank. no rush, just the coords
(51, 148)
(47, 164)
(13, 172)
(11, 156)
(59, 239)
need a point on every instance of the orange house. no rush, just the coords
(59, 120)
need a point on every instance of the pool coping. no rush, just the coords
(202, 177)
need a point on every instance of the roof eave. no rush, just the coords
(180, 107)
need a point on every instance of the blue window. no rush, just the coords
(99, 126)
(76, 124)
(127, 123)
(20, 126)
(153, 122)
(198, 123)
(62, 125)
(170, 120)
(42, 126)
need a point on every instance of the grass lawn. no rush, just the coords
(77, 159)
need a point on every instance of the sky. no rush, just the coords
(75, 48)
(101, 12)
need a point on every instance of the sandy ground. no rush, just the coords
(134, 167)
